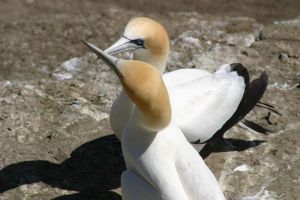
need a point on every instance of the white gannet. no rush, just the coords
(160, 162)
(149, 42)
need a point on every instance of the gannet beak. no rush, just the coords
(111, 61)
(122, 45)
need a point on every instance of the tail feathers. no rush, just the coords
(265, 104)
(253, 92)
(268, 107)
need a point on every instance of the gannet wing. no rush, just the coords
(253, 92)
(181, 76)
(202, 106)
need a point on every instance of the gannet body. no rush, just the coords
(161, 164)
(224, 92)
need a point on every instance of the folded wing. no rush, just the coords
(203, 105)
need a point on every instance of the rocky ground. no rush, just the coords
(55, 139)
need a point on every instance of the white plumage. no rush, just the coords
(161, 164)
(209, 100)
(197, 96)
(167, 168)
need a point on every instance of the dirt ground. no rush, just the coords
(55, 138)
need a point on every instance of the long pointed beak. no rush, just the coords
(122, 45)
(111, 61)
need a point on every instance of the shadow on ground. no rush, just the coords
(228, 144)
(92, 170)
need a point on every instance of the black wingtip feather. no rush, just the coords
(253, 92)
(241, 71)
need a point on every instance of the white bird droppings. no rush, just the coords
(242, 168)
(64, 76)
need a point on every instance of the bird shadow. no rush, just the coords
(92, 170)
(228, 144)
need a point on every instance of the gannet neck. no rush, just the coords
(120, 112)
(144, 85)
(159, 62)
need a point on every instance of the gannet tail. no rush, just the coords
(253, 92)
(268, 107)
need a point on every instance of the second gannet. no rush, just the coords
(226, 102)
(161, 164)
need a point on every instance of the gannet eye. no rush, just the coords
(138, 42)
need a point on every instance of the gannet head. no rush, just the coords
(147, 39)
(144, 85)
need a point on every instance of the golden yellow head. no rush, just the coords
(147, 39)
(144, 85)
(155, 37)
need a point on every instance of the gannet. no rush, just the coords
(149, 42)
(161, 164)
